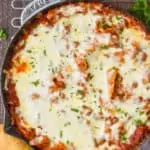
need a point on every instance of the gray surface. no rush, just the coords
(7, 13)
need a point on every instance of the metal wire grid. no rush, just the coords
(18, 5)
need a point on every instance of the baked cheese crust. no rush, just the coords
(79, 79)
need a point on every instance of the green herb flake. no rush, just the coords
(101, 66)
(119, 111)
(75, 30)
(90, 85)
(67, 124)
(95, 127)
(44, 53)
(32, 58)
(75, 110)
(90, 75)
(29, 51)
(33, 66)
(140, 122)
(94, 90)
(140, 112)
(3, 34)
(31, 63)
(36, 83)
(123, 136)
(61, 133)
(100, 108)
(54, 70)
(80, 92)
(78, 117)
(67, 142)
(105, 26)
(118, 18)
(103, 47)
(121, 31)
(50, 109)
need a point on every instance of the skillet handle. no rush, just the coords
(35, 7)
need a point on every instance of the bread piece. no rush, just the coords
(8, 142)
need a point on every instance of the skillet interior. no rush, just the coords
(12, 130)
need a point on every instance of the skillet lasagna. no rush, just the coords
(79, 79)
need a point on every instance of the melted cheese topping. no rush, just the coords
(86, 107)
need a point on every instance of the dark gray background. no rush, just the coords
(6, 15)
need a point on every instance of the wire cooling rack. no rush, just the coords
(18, 5)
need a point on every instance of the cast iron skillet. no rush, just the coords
(11, 129)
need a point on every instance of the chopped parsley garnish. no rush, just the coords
(105, 26)
(32, 64)
(94, 91)
(67, 124)
(3, 34)
(78, 117)
(90, 75)
(61, 133)
(123, 136)
(101, 66)
(50, 65)
(67, 142)
(54, 70)
(94, 102)
(120, 111)
(118, 17)
(75, 30)
(80, 92)
(140, 122)
(75, 110)
(50, 109)
(100, 108)
(44, 53)
(96, 127)
(90, 85)
(71, 94)
(36, 83)
(29, 51)
(103, 47)
(32, 58)
(121, 31)
(140, 112)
